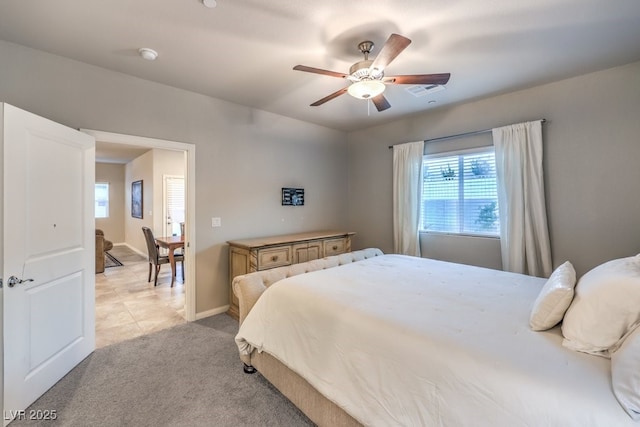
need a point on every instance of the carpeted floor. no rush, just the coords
(188, 375)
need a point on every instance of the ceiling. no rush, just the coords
(110, 152)
(243, 51)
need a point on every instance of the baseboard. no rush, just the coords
(212, 312)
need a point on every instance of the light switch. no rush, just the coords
(216, 222)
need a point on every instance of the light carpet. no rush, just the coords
(188, 375)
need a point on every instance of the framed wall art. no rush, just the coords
(136, 199)
(293, 197)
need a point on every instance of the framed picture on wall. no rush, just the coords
(293, 197)
(136, 199)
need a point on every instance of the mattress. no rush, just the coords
(398, 340)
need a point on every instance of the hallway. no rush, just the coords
(127, 306)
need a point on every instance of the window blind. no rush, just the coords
(102, 200)
(459, 194)
(175, 204)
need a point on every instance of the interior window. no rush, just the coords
(459, 193)
(102, 200)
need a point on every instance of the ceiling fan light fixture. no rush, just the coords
(366, 89)
(367, 77)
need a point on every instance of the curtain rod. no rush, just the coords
(460, 135)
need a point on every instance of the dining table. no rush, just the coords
(171, 243)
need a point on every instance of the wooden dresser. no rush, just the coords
(263, 253)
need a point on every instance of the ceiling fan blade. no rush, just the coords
(319, 71)
(329, 97)
(381, 102)
(392, 48)
(419, 79)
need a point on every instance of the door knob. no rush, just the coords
(13, 280)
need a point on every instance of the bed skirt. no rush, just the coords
(318, 408)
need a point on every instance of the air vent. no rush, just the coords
(420, 90)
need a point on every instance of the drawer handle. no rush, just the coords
(335, 247)
(274, 258)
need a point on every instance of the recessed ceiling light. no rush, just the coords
(148, 54)
(210, 3)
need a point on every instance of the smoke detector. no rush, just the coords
(148, 54)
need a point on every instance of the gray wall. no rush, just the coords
(139, 169)
(591, 149)
(244, 156)
(113, 226)
(165, 163)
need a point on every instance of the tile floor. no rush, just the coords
(127, 306)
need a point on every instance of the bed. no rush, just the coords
(373, 339)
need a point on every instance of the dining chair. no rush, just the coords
(180, 251)
(155, 258)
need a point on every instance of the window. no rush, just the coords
(102, 200)
(459, 193)
(174, 191)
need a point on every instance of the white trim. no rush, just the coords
(212, 312)
(190, 190)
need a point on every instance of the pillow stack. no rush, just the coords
(604, 319)
(625, 374)
(606, 307)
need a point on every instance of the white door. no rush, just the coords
(173, 204)
(49, 245)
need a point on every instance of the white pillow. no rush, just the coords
(625, 374)
(554, 298)
(605, 307)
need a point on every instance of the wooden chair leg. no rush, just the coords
(182, 265)
(155, 280)
(149, 279)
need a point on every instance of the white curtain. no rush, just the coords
(524, 235)
(407, 188)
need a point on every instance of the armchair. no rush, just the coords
(102, 246)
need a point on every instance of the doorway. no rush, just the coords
(189, 202)
(173, 205)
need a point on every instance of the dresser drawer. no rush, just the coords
(335, 246)
(274, 257)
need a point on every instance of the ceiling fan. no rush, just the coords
(367, 77)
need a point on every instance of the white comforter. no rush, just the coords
(397, 340)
